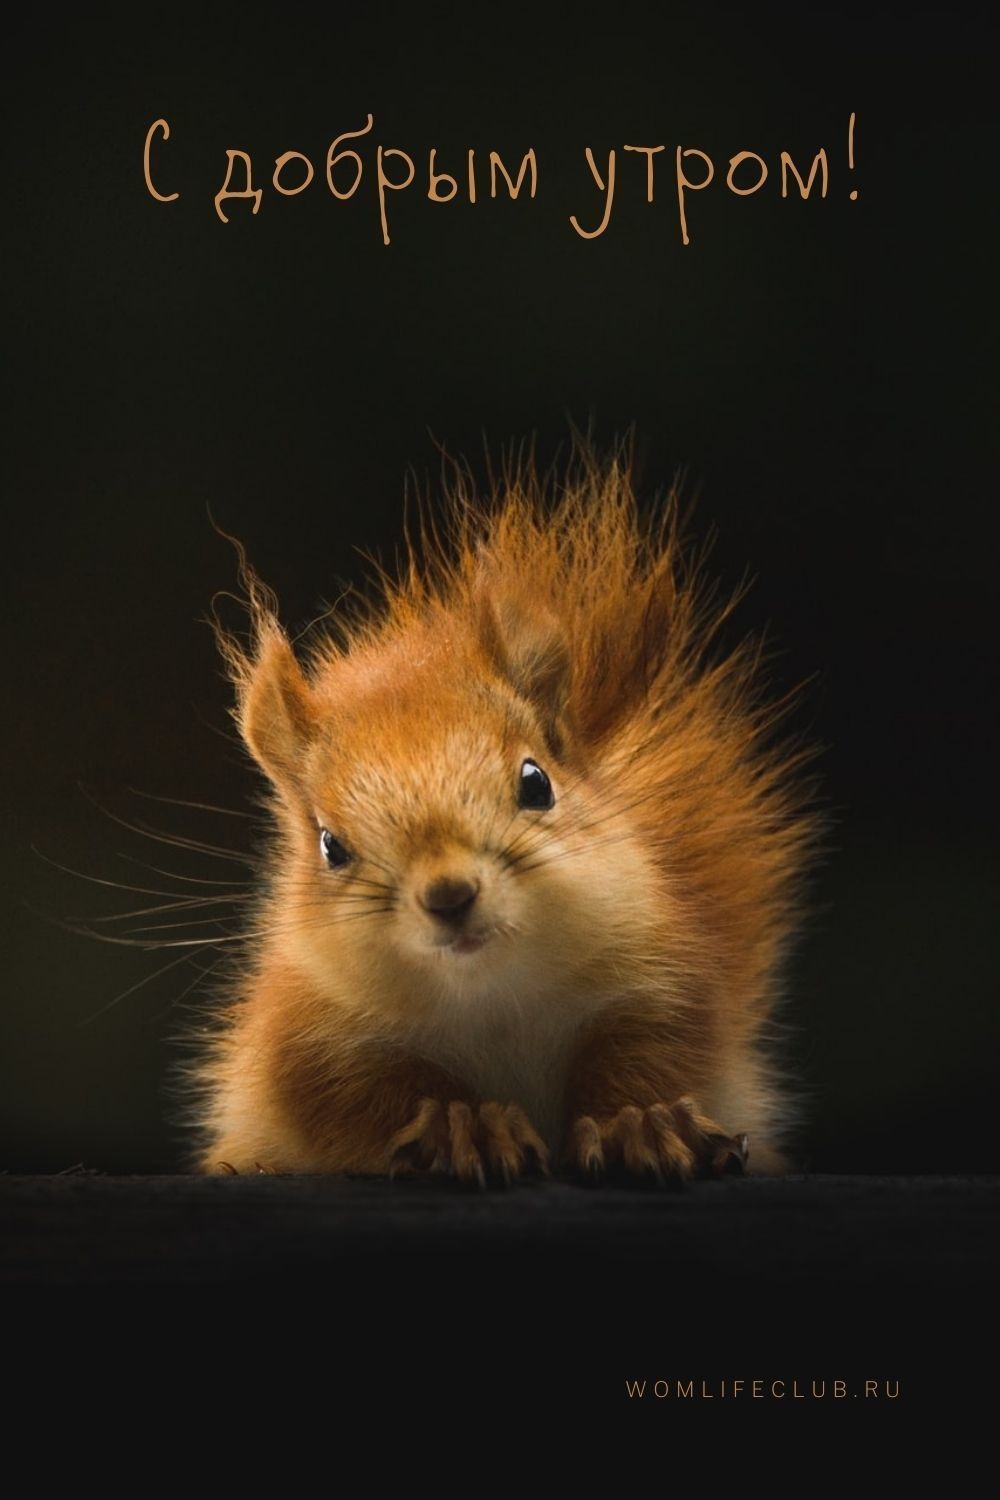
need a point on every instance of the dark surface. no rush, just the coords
(544, 1299)
(88, 1229)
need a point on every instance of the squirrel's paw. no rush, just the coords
(471, 1142)
(666, 1142)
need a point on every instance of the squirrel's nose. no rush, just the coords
(449, 898)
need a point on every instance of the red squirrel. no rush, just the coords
(537, 859)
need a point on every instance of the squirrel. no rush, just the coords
(537, 858)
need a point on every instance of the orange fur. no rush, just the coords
(622, 949)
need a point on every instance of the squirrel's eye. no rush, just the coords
(333, 850)
(536, 788)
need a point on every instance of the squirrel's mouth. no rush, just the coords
(465, 944)
(470, 943)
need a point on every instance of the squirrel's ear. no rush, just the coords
(275, 707)
(276, 710)
(529, 647)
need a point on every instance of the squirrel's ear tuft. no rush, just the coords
(276, 712)
(275, 706)
(528, 647)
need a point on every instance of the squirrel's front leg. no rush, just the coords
(372, 1108)
(631, 1111)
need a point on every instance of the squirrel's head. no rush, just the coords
(442, 837)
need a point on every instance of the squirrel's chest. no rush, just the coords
(515, 1054)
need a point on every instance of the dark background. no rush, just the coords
(822, 371)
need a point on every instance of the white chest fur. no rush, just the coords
(511, 1049)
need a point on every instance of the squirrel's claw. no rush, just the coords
(477, 1144)
(663, 1144)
